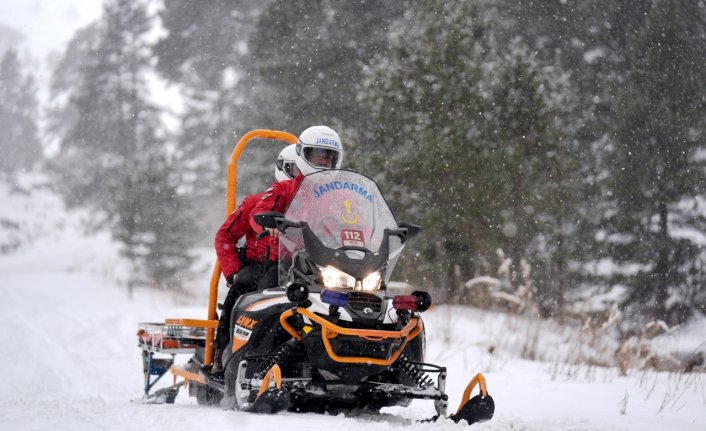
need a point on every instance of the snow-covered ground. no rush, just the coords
(70, 360)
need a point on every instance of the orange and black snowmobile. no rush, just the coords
(331, 337)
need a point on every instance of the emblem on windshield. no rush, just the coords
(348, 217)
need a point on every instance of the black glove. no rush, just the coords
(230, 278)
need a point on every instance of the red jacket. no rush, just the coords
(276, 198)
(235, 227)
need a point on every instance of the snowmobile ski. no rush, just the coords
(480, 408)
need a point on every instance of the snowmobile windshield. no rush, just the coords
(345, 211)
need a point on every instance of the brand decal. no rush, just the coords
(327, 142)
(342, 185)
(246, 322)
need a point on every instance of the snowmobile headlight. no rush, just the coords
(335, 278)
(371, 283)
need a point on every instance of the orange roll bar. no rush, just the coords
(231, 191)
(287, 327)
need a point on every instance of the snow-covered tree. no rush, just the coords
(657, 160)
(478, 136)
(307, 57)
(530, 132)
(203, 51)
(113, 155)
(19, 144)
(426, 103)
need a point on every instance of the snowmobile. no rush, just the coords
(331, 337)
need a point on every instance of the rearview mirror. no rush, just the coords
(274, 220)
(412, 229)
(405, 231)
(268, 220)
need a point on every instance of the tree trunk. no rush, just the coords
(662, 267)
(443, 280)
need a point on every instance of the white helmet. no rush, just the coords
(319, 148)
(286, 167)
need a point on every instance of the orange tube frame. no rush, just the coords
(231, 192)
(331, 330)
(275, 373)
(187, 375)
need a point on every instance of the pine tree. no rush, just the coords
(20, 145)
(657, 166)
(531, 132)
(480, 143)
(427, 106)
(204, 43)
(241, 65)
(156, 227)
(203, 51)
(113, 156)
(307, 58)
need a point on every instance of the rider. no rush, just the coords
(249, 262)
(319, 148)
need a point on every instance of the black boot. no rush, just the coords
(217, 367)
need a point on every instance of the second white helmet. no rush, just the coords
(319, 148)
(286, 167)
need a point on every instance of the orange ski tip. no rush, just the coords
(478, 379)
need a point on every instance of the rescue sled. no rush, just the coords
(331, 337)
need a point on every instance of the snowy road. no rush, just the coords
(71, 363)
